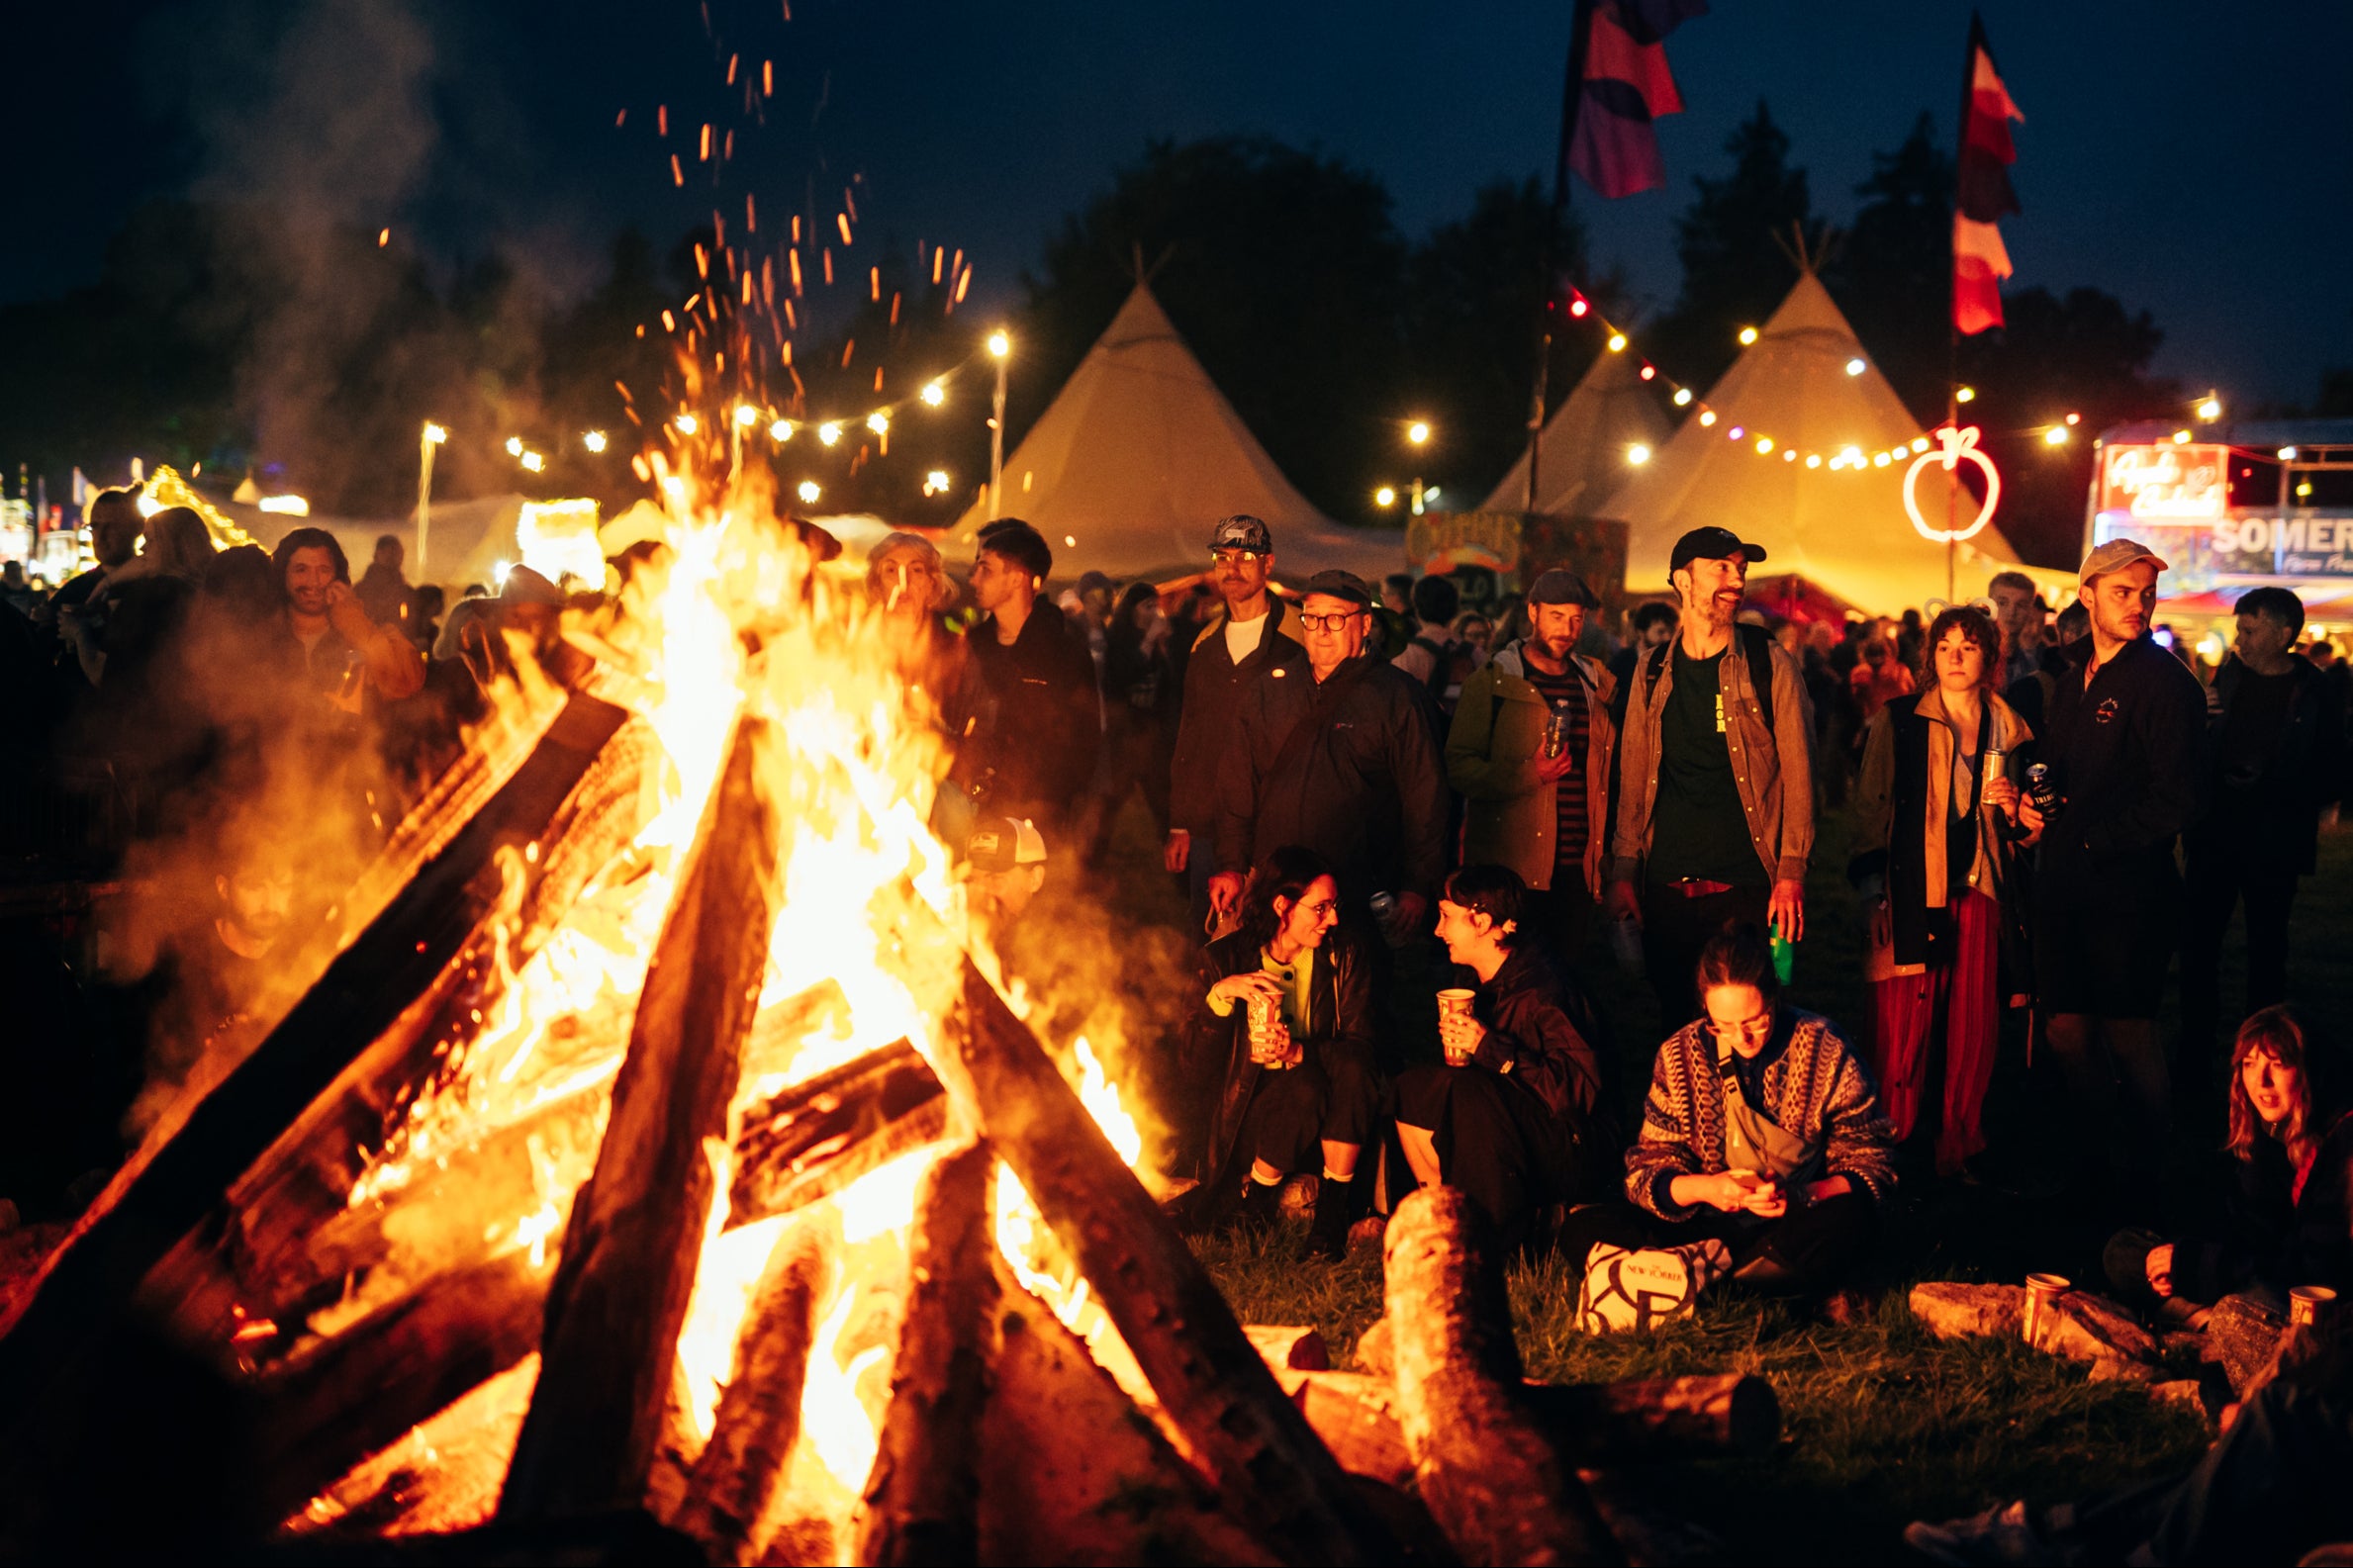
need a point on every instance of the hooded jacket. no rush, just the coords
(1512, 817)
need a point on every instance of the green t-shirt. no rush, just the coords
(1293, 978)
(1698, 828)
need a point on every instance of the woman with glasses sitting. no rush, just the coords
(1285, 1023)
(1761, 1132)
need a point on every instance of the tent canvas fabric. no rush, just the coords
(466, 541)
(1140, 454)
(1582, 456)
(1847, 529)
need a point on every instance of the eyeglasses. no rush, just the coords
(1231, 556)
(1327, 622)
(1320, 909)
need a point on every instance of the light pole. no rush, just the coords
(1417, 436)
(1000, 347)
(432, 436)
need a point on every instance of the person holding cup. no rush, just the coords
(1285, 1023)
(1517, 1116)
(1761, 1131)
(2287, 1212)
(1937, 862)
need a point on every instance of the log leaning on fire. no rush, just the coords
(922, 1502)
(734, 1499)
(637, 1226)
(1277, 1477)
(816, 1136)
(175, 1182)
(1481, 1463)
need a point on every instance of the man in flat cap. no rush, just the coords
(1715, 813)
(1341, 757)
(1251, 633)
(2124, 737)
(1530, 750)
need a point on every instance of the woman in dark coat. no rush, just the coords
(2286, 1217)
(1296, 1089)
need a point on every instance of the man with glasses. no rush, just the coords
(1341, 758)
(1249, 636)
(1715, 806)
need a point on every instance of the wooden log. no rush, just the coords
(636, 1231)
(1289, 1349)
(923, 1496)
(1280, 1482)
(816, 1137)
(734, 1497)
(1493, 1482)
(1069, 1473)
(181, 1177)
(326, 1409)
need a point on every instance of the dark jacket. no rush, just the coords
(1542, 1031)
(1213, 690)
(2127, 754)
(2271, 1233)
(1338, 1017)
(1359, 783)
(1032, 746)
(2276, 813)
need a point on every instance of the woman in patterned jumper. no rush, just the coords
(1763, 1132)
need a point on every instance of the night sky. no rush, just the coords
(2189, 159)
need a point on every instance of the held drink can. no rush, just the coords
(1382, 905)
(2042, 792)
(1555, 733)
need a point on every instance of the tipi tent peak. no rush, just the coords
(1140, 454)
(1807, 383)
(1581, 455)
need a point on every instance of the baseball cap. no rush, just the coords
(1560, 586)
(998, 844)
(1242, 531)
(1710, 544)
(2114, 556)
(1339, 585)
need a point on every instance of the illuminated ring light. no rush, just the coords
(1958, 446)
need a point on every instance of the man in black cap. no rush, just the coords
(1339, 755)
(1530, 751)
(1244, 639)
(1033, 745)
(1715, 813)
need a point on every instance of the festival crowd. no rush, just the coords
(1405, 828)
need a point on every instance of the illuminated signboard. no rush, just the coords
(2168, 480)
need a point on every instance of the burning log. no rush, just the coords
(178, 1179)
(816, 1136)
(636, 1231)
(1493, 1482)
(923, 1496)
(1277, 1478)
(734, 1499)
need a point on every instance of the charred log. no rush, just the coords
(1493, 1482)
(1279, 1481)
(816, 1137)
(636, 1230)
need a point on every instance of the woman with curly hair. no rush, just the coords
(1285, 1027)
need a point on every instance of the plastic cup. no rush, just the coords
(2309, 1305)
(1455, 1002)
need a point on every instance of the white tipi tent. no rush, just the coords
(1582, 456)
(1140, 454)
(1843, 528)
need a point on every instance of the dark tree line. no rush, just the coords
(227, 336)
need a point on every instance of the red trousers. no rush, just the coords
(1948, 1017)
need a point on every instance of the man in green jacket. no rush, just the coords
(1529, 752)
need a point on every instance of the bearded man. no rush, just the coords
(1715, 817)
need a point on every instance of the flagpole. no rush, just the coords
(1571, 94)
(1952, 303)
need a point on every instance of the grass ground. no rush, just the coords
(1881, 1423)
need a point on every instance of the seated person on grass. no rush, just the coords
(1285, 1029)
(1763, 1131)
(1516, 1115)
(2286, 1218)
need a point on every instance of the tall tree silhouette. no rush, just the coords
(1892, 273)
(1734, 245)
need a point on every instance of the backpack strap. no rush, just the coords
(1758, 644)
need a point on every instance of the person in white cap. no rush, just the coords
(2124, 738)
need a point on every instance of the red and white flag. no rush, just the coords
(1983, 195)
